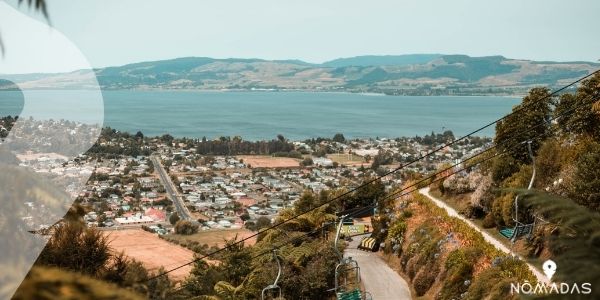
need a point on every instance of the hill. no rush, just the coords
(382, 60)
(417, 74)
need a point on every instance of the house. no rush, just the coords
(134, 220)
(322, 162)
(156, 214)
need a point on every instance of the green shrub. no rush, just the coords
(185, 227)
(488, 221)
(495, 281)
(459, 270)
(425, 278)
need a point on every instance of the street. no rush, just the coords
(171, 190)
(378, 278)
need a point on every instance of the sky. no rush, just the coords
(117, 32)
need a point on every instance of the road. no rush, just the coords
(171, 190)
(377, 277)
(488, 238)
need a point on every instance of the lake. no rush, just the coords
(296, 115)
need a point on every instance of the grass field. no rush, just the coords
(151, 251)
(215, 237)
(263, 161)
(346, 159)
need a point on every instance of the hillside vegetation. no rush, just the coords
(565, 200)
(416, 74)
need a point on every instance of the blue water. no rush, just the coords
(296, 115)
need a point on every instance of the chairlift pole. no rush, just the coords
(337, 237)
(530, 181)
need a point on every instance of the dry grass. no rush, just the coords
(216, 237)
(350, 160)
(262, 161)
(151, 251)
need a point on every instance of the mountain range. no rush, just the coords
(414, 74)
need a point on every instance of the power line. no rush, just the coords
(416, 184)
(552, 94)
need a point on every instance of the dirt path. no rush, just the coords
(490, 239)
(377, 277)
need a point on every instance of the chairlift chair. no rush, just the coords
(347, 265)
(273, 288)
(521, 229)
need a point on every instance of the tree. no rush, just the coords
(307, 162)
(581, 110)
(174, 218)
(185, 227)
(39, 5)
(587, 178)
(262, 222)
(529, 121)
(366, 195)
(338, 137)
(75, 247)
(245, 217)
(382, 158)
(306, 202)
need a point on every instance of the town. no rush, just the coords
(235, 191)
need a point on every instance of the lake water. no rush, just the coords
(296, 115)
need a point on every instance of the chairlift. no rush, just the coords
(521, 229)
(273, 289)
(347, 273)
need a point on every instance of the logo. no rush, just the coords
(549, 268)
(552, 288)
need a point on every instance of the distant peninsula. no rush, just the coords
(414, 74)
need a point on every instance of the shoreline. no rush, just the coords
(307, 91)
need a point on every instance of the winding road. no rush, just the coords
(378, 278)
(171, 190)
(488, 238)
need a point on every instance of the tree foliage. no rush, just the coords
(530, 121)
(185, 227)
(582, 117)
(587, 178)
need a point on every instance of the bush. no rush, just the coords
(494, 282)
(77, 248)
(174, 218)
(459, 270)
(307, 162)
(425, 279)
(488, 221)
(185, 228)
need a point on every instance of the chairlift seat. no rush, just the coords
(507, 232)
(518, 231)
(350, 295)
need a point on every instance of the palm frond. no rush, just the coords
(38, 5)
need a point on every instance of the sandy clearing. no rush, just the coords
(262, 161)
(152, 251)
(217, 237)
